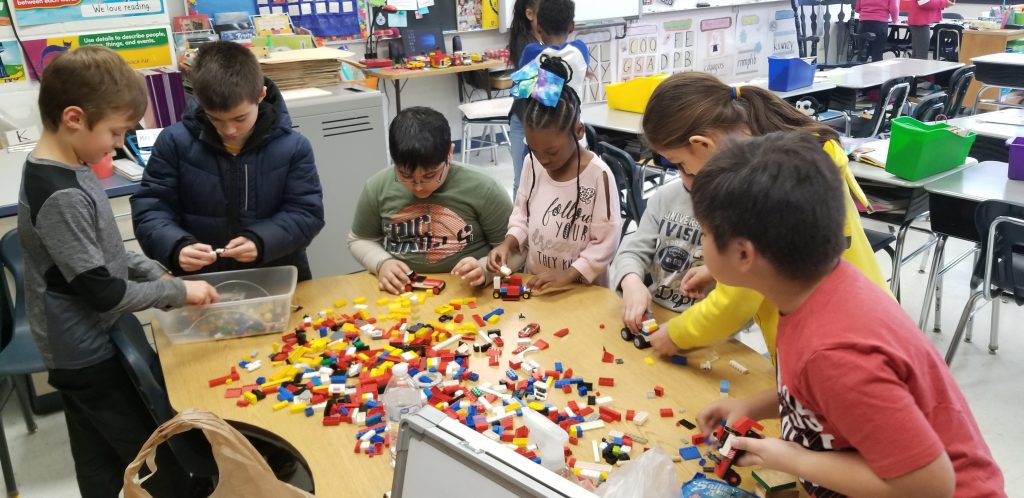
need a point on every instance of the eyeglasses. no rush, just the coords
(438, 178)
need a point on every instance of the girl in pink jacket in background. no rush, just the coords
(920, 16)
(874, 18)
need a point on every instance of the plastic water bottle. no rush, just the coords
(401, 398)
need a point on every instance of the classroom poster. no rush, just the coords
(783, 30)
(5, 14)
(600, 43)
(12, 65)
(141, 48)
(751, 38)
(678, 46)
(714, 46)
(638, 52)
(36, 12)
(469, 15)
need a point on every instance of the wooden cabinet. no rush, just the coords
(979, 43)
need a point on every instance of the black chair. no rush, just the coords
(883, 241)
(952, 15)
(893, 97)
(627, 182)
(1000, 270)
(930, 107)
(958, 84)
(945, 42)
(810, 36)
(19, 356)
(898, 41)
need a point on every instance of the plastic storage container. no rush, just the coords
(785, 74)
(633, 95)
(918, 150)
(252, 302)
(1016, 168)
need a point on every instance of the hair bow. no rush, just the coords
(542, 85)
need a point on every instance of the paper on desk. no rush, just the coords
(303, 93)
(305, 54)
(1013, 117)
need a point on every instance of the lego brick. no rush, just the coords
(666, 412)
(561, 332)
(606, 381)
(689, 453)
(686, 423)
(697, 439)
(659, 391)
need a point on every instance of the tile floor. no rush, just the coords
(43, 463)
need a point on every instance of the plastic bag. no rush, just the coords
(702, 487)
(242, 471)
(651, 475)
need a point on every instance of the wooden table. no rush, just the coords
(396, 75)
(337, 471)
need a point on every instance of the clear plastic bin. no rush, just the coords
(252, 302)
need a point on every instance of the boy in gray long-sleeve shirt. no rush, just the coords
(652, 261)
(79, 279)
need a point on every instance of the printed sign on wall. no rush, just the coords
(678, 44)
(36, 12)
(12, 66)
(141, 48)
(715, 48)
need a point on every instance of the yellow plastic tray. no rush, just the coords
(633, 95)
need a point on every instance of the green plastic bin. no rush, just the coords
(918, 150)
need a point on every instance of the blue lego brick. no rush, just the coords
(723, 386)
(679, 359)
(689, 453)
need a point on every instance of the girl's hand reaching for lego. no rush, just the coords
(553, 279)
(636, 300)
(662, 342)
(200, 292)
(470, 271)
(392, 276)
(194, 257)
(240, 249)
(498, 256)
(696, 280)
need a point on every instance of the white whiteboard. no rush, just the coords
(586, 10)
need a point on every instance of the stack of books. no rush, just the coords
(128, 169)
(311, 67)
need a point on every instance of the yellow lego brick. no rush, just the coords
(280, 405)
(493, 319)
(443, 309)
(276, 347)
(246, 357)
(359, 300)
(297, 408)
(383, 301)
(277, 363)
(453, 302)
(228, 381)
(511, 407)
(250, 397)
(520, 441)
(470, 300)
(536, 406)
(648, 360)
(340, 303)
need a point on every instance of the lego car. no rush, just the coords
(510, 288)
(419, 282)
(530, 330)
(647, 327)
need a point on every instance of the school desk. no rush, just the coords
(996, 71)
(952, 202)
(849, 81)
(993, 129)
(872, 178)
(12, 163)
(338, 472)
(397, 75)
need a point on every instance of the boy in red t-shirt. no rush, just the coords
(868, 407)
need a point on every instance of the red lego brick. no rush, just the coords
(219, 381)
(666, 412)
(573, 440)
(541, 344)
(494, 361)
(479, 321)
(607, 357)
(659, 391)
(562, 333)
(242, 402)
(458, 318)
(697, 439)
(630, 414)
(606, 381)
(233, 392)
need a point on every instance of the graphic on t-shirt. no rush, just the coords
(564, 229)
(801, 426)
(429, 229)
(679, 250)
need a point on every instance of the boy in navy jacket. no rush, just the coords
(231, 186)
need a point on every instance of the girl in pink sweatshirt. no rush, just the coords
(566, 219)
(921, 14)
(874, 18)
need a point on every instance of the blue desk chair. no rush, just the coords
(1000, 270)
(19, 356)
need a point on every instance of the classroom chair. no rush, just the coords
(19, 356)
(489, 116)
(191, 450)
(958, 83)
(930, 107)
(628, 182)
(883, 241)
(898, 43)
(892, 100)
(814, 40)
(1000, 270)
(945, 42)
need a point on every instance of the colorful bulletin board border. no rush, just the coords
(142, 48)
(37, 12)
(330, 20)
(12, 65)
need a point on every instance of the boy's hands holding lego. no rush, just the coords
(770, 453)
(712, 415)
(200, 292)
(498, 256)
(662, 342)
(696, 280)
(241, 249)
(194, 257)
(392, 276)
(636, 300)
(553, 279)
(470, 271)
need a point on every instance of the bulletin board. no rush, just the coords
(334, 20)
